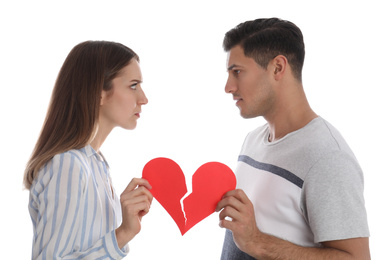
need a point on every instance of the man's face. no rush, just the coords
(249, 84)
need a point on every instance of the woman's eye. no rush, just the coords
(134, 86)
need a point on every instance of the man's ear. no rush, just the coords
(279, 66)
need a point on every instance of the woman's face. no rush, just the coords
(121, 106)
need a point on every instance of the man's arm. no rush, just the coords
(250, 239)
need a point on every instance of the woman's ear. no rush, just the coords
(279, 64)
(103, 97)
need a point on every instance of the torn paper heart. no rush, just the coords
(209, 183)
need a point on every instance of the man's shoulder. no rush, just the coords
(260, 130)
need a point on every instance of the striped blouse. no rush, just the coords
(74, 209)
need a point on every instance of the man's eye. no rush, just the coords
(237, 72)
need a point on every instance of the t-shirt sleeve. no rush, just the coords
(332, 198)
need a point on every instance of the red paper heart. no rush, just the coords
(209, 183)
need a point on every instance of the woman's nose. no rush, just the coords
(143, 100)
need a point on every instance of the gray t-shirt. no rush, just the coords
(306, 188)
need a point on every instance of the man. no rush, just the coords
(299, 187)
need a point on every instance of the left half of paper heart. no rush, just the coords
(168, 187)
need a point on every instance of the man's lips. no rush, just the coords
(237, 99)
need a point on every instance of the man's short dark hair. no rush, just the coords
(264, 39)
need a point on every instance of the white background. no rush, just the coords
(189, 118)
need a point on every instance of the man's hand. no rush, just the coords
(237, 206)
(248, 238)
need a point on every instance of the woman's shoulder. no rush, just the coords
(75, 157)
(72, 162)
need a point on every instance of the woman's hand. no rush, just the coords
(135, 201)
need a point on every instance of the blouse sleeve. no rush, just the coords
(56, 201)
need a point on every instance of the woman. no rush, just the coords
(73, 207)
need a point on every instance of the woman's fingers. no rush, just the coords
(136, 201)
(140, 191)
(137, 182)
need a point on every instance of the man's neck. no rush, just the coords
(289, 118)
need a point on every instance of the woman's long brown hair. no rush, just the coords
(73, 113)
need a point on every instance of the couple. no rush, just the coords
(299, 187)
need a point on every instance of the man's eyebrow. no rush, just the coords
(231, 67)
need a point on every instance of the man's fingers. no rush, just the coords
(224, 223)
(238, 194)
(233, 198)
(229, 212)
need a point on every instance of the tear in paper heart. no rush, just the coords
(209, 183)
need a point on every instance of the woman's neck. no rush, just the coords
(100, 137)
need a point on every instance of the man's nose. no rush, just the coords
(230, 86)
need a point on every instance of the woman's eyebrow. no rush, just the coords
(136, 80)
